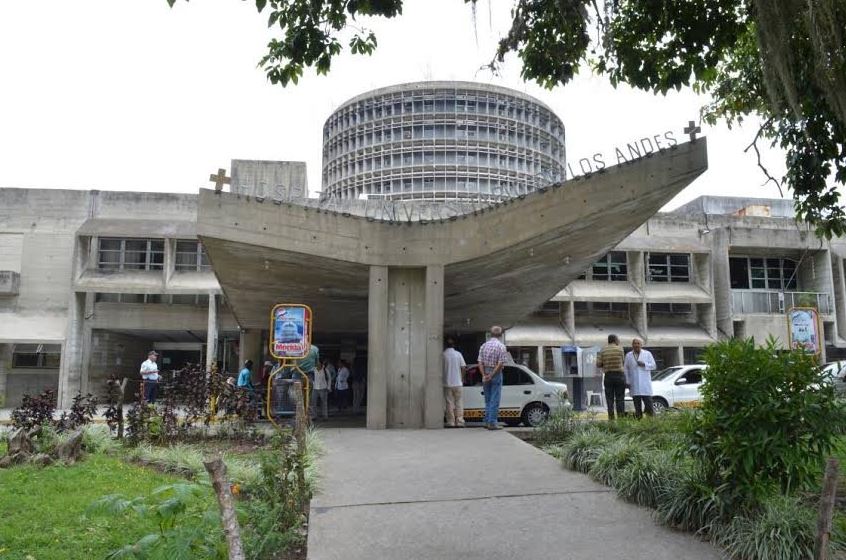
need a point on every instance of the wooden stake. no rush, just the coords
(300, 425)
(228, 518)
(826, 509)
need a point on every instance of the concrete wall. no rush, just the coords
(118, 354)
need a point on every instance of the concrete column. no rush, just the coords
(250, 348)
(839, 295)
(5, 367)
(540, 361)
(87, 340)
(212, 332)
(377, 352)
(679, 355)
(70, 373)
(721, 278)
(433, 411)
(405, 344)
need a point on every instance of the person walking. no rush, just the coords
(639, 365)
(150, 377)
(454, 368)
(342, 385)
(492, 357)
(610, 359)
(321, 391)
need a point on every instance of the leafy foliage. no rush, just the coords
(686, 501)
(766, 419)
(114, 406)
(582, 450)
(35, 410)
(641, 480)
(82, 412)
(784, 62)
(614, 457)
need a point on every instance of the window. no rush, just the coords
(131, 254)
(759, 273)
(512, 375)
(669, 308)
(612, 267)
(668, 267)
(45, 356)
(201, 300)
(191, 256)
(691, 377)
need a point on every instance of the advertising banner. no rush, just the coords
(290, 328)
(803, 328)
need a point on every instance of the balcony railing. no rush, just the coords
(773, 303)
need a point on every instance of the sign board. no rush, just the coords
(803, 329)
(290, 330)
(273, 180)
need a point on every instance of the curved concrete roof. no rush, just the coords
(443, 84)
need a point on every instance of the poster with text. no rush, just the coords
(803, 327)
(291, 331)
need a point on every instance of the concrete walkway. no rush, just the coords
(468, 494)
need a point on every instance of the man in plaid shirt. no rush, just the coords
(492, 358)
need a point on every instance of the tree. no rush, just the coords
(781, 60)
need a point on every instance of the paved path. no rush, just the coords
(406, 494)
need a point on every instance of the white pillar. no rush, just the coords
(540, 361)
(211, 333)
(70, 373)
(5, 366)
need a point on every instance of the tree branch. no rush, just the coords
(228, 517)
(765, 171)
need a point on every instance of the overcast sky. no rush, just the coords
(133, 95)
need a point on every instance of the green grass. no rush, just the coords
(44, 510)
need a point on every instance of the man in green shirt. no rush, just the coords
(610, 359)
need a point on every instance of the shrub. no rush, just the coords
(584, 447)
(98, 439)
(82, 412)
(559, 427)
(685, 501)
(766, 418)
(35, 411)
(781, 529)
(614, 457)
(643, 478)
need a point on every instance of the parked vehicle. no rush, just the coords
(835, 372)
(674, 387)
(526, 397)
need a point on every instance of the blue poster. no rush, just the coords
(291, 331)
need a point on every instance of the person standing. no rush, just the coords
(610, 359)
(321, 391)
(639, 365)
(492, 357)
(342, 386)
(454, 368)
(245, 378)
(150, 377)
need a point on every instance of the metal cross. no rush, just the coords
(692, 129)
(220, 179)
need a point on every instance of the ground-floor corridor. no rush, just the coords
(472, 493)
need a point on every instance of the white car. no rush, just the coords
(674, 387)
(835, 373)
(526, 397)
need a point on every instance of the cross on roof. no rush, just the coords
(220, 179)
(692, 129)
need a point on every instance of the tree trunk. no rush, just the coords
(71, 450)
(228, 518)
(826, 510)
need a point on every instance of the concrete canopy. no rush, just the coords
(499, 264)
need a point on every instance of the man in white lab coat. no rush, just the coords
(638, 366)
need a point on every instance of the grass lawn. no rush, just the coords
(43, 510)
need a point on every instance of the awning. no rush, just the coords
(158, 229)
(43, 328)
(537, 333)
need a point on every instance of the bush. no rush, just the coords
(643, 478)
(581, 451)
(766, 418)
(559, 427)
(35, 411)
(781, 529)
(685, 501)
(614, 457)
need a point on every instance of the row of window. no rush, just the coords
(337, 170)
(660, 267)
(622, 309)
(759, 273)
(515, 138)
(148, 254)
(458, 185)
(201, 300)
(478, 103)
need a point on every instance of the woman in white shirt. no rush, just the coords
(342, 386)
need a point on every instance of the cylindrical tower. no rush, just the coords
(441, 141)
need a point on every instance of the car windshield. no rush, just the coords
(665, 373)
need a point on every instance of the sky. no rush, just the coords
(134, 95)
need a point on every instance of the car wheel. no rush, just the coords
(659, 405)
(535, 414)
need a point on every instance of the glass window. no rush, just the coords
(512, 375)
(667, 267)
(763, 274)
(612, 267)
(44, 356)
(131, 254)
